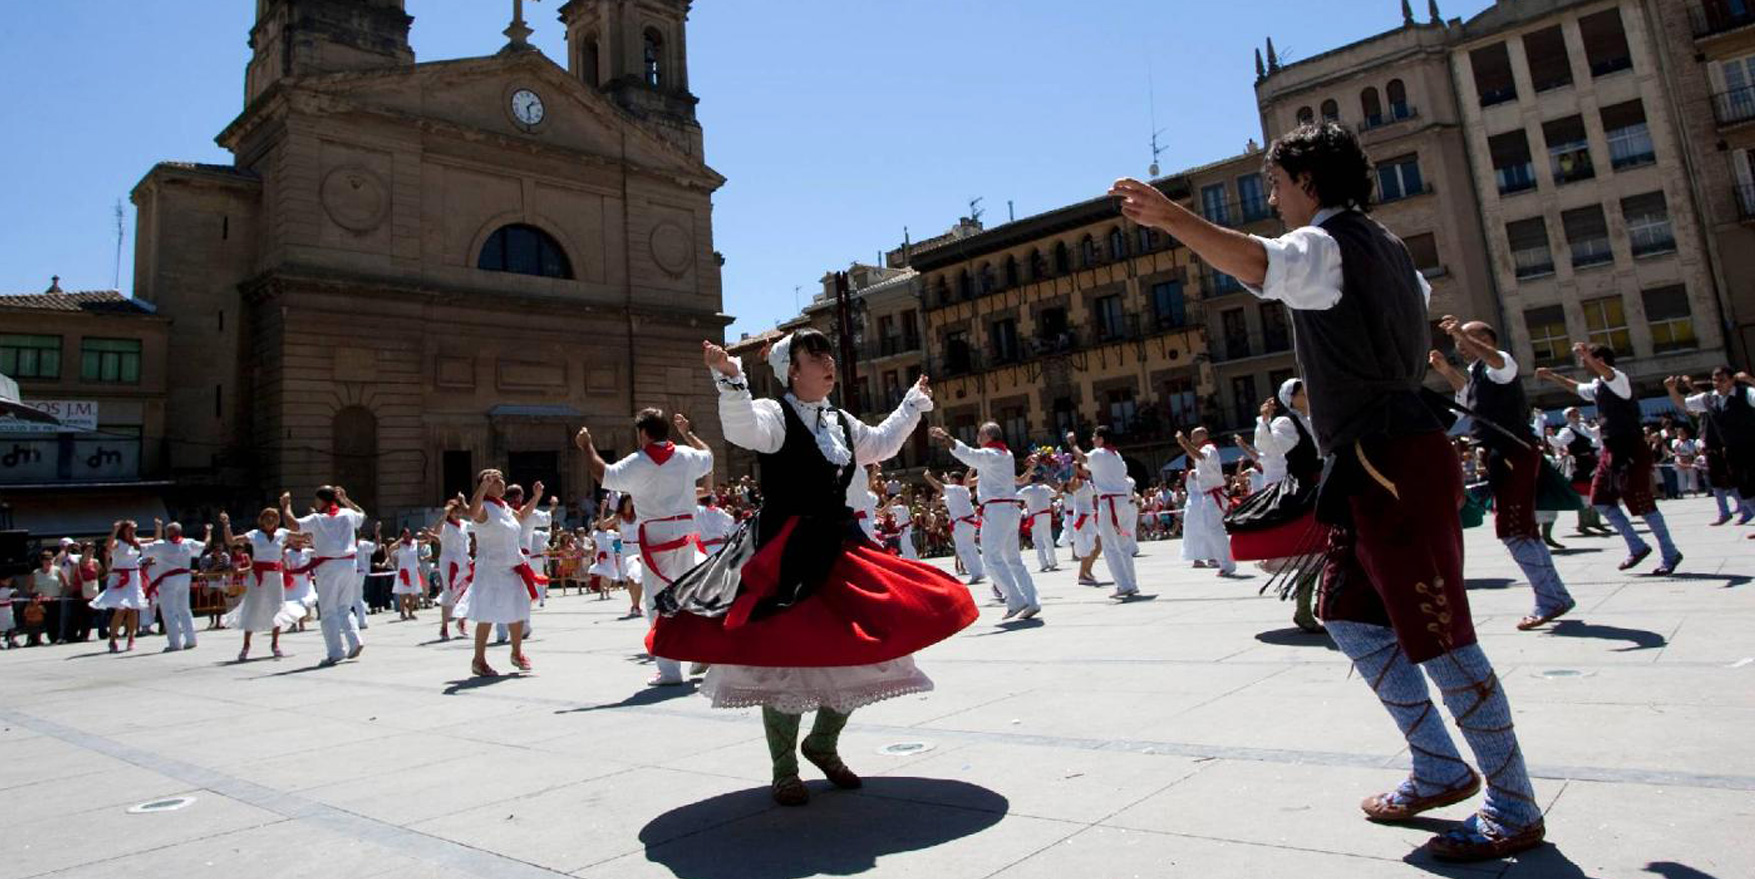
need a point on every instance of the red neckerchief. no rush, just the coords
(660, 452)
(178, 538)
(333, 509)
(996, 444)
(495, 501)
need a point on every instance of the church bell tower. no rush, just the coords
(297, 37)
(636, 52)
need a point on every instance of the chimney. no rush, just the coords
(54, 285)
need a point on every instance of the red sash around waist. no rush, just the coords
(647, 548)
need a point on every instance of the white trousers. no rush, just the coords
(1117, 547)
(337, 587)
(905, 542)
(673, 563)
(963, 535)
(1042, 535)
(999, 549)
(173, 605)
(359, 598)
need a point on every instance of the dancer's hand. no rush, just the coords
(1266, 410)
(681, 423)
(582, 439)
(719, 360)
(285, 499)
(924, 386)
(1435, 358)
(1450, 325)
(938, 433)
(1143, 203)
(1544, 372)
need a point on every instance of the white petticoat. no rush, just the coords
(265, 607)
(607, 569)
(633, 569)
(130, 597)
(497, 595)
(797, 690)
(412, 587)
(303, 593)
(1203, 530)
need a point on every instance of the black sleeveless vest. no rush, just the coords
(1364, 359)
(1732, 427)
(1303, 462)
(1503, 404)
(798, 481)
(1619, 418)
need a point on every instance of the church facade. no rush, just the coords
(413, 271)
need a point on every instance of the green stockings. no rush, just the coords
(782, 730)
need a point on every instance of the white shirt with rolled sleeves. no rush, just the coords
(664, 500)
(1618, 384)
(337, 581)
(1001, 509)
(714, 525)
(1304, 267)
(960, 506)
(1039, 507)
(1713, 401)
(958, 502)
(1273, 439)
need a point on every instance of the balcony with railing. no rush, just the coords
(1734, 106)
(1215, 284)
(889, 346)
(1713, 17)
(1396, 113)
(1225, 348)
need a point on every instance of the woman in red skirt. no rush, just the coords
(801, 611)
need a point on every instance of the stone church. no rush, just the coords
(412, 271)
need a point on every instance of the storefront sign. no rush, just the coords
(75, 415)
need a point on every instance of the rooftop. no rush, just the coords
(88, 301)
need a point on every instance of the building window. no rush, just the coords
(958, 357)
(1066, 416)
(1605, 323)
(1220, 284)
(27, 356)
(110, 361)
(1587, 234)
(1087, 252)
(1397, 93)
(1672, 327)
(1568, 150)
(1545, 50)
(457, 471)
(944, 291)
(1493, 79)
(1062, 262)
(1252, 198)
(1168, 307)
(1276, 329)
(1005, 340)
(1052, 329)
(1184, 405)
(1530, 256)
(1605, 42)
(1038, 265)
(1423, 249)
(1371, 107)
(1306, 116)
(1235, 330)
(1011, 271)
(1548, 340)
(1117, 243)
(588, 65)
(1737, 102)
(910, 331)
(1245, 406)
(1629, 137)
(1331, 111)
(985, 273)
(1213, 205)
(1111, 322)
(653, 58)
(1148, 241)
(1014, 422)
(1399, 178)
(965, 285)
(1648, 224)
(1512, 166)
(1122, 410)
(524, 250)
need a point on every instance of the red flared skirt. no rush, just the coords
(872, 607)
(1298, 537)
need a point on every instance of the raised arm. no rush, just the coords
(933, 481)
(1072, 446)
(1253, 453)
(593, 461)
(885, 441)
(1442, 366)
(1187, 446)
(477, 502)
(287, 519)
(530, 502)
(681, 422)
(1229, 251)
(1543, 372)
(757, 428)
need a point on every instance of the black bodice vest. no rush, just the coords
(798, 481)
(1303, 462)
(1503, 404)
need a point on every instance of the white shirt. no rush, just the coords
(1714, 401)
(1685, 448)
(124, 557)
(958, 502)
(496, 540)
(760, 426)
(332, 536)
(1037, 497)
(1304, 267)
(904, 517)
(169, 556)
(454, 540)
(660, 491)
(1108, 471)
(861, 500)
(1273, 439)
(1618, 384)
(714, 523)
(1209, 472)
(996, 468)
(536, 529)
(267, 547)
(362, 556)
(1574, 430)
(1084, 499)
(605, 541)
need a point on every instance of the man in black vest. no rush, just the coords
(1492, 391)
(1727, 430)
(1392, 593)
(1624, 466)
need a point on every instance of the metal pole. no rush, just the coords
(844, 328)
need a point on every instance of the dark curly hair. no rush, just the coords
(1339, 170)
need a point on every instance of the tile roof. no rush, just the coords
(211, 168)
(90, 301)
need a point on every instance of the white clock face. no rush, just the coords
(526, 107)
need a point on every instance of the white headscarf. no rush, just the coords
(1288, 390)
(780, 358)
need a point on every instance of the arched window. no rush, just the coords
(354, 443)
(653, 58)
(1011, 271)
(524, 250)
(1331, 111)
(1397, 93)
(1305, 116)
(1147, 239)
(1038, 265)
(1117, 243)
(588, 62)
(944, 291)
(986, 275)
(1087, 252)
(1062, 263)
(1370, 106)
(965, 287)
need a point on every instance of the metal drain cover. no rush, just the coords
(168, 805)
(904, 749)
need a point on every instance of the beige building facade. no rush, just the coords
(416, 270)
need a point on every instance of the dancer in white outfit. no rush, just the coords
(264, 608)
(965, 525)
(713, 524)
(1038, 500)
(606, 566)
(362, 558)
(332, 528)
(1083, 527)
(1108, 475)
(300, 589)
(862, 499)
(454, 564)
(633, 570)
(903, 516)
(1000, 510)
(173, 559)
(124, 593)
(403, 557)
(1204, 540)
(661, 479)
(503, 585)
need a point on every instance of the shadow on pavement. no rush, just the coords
(647, 696)
(1296, 637)
(742, 834)
(1641, 639)
(452, 688)
(1545, 861)
(1673, 870)
(1488, 583)
(1012, 626)
(1731, 580)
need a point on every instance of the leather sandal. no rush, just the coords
(835, 770)
(1535, 621)
(790, 791)
(1395, 806)
(1472, 842)
(482, 670)
(522, 662)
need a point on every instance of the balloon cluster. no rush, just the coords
(1053, 462)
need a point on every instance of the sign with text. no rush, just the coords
(75, 415)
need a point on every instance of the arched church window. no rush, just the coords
(589, 61)
(354, 442)
(524, 250)
(654, 58)
(1331, 111)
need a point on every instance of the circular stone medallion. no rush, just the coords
(672, 248)
(354, 198)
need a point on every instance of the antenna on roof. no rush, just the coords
(1152, 108)
(975, 210)
(116, 284)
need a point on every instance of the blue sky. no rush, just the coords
(836, 123)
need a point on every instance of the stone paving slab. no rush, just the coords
(1192, 734)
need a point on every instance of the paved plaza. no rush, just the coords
(1194, 733)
